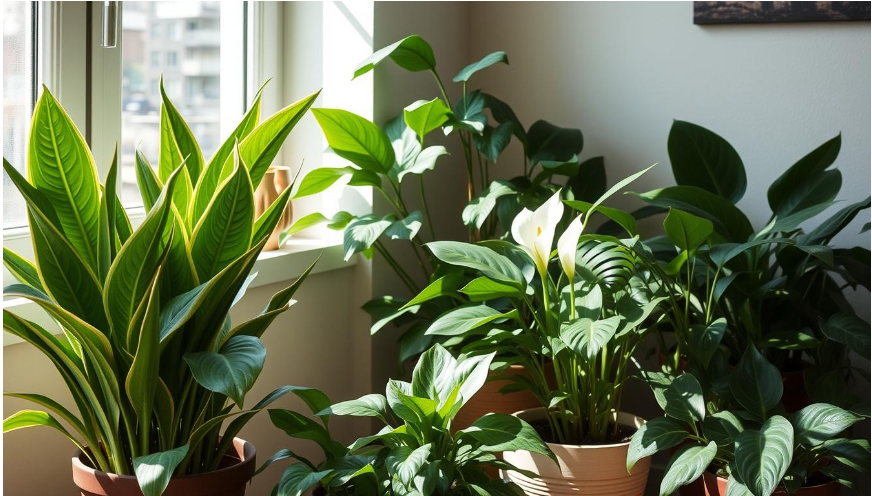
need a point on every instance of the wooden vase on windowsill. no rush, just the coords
(275, 181)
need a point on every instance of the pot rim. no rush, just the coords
(540, 410)
(248, 450)
(828, 483)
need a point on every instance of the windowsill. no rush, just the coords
(284, 264)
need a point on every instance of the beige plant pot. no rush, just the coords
(275, 181)
(583, 470)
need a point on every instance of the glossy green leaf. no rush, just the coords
(827, 229)
(819, 422)
(807, 182)
(404, 463)
(153, 471)
(728, 220)
(142, 379)
(703, 159)
(653, 437)
(22, 269)
(35, 418)
(338, 222)
(549, 142)
(686, 465)
(722, 253)
(406, 228)
(149, 184)
(424, 161)
(484, 289)
(722, 428)
(320, 179)
(424, 116)
(502, 112)
(587, 337)
(494, 140)
(464, 319)
(411, 53)
(298, 479)
(850, 330)
(499, 432)
(362, 232)
(445, 285)
(433, 375)
(488, 262)
(756, 384)
(590, 181)
(232, 370)
(852, 452)
(301, 427)
(486, 61)
(481, 207)
(623, 219)
(704, 341)
(684, 399)
(686, 230)
(469, 114)
(763, 457)
(370, 405)
(356, 139)
(177, 139)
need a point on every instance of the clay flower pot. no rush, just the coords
(717, 486)
(275, 181)
(583, 469)
(488, 399)
(230, 479)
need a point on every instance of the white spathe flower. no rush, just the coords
(534, 231)
(566, 247)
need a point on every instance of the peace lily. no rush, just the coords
(534, 231)
(566, 247)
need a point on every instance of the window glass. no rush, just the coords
(191, 73)
(18, 84)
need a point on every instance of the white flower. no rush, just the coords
(534, 231)
(566, 247)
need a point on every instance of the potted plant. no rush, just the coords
(749, 446)
(416, 452)
(404, 150)
(149, 354)
(585, 315)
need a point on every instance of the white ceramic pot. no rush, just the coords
(583, 469)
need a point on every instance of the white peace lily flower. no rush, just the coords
(534, 231)
(566, 247)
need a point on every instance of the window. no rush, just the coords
(155, 59)
(172, 59)
(156, 31)
(173, 31)
(18, 86)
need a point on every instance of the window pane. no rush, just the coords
(182, 41)
(17, 101)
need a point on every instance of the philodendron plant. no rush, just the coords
(584, 315)
(389, 158)
(415, 453)
(750, 441)
(148, 352)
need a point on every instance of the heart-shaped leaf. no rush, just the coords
(684, 399)
(762, 457)
(703, 159)
(232, 370)
(756, 384)
(587, 337)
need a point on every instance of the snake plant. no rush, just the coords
(148, 351)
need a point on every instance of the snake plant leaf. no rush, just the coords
(807, 182)
(298, 478)
(61, 166)
(686, 465)
(232, 370)
(500, 432)
(818, 422)
(490, 263)
(684, 399)
(703, 159)
(22, 269)
(424, 116)
(260, 147)
(756, 384)
(654, 436)
(356, 139)
(153, 472)
(587, 337)
(763, 457)
(850, 330)
(485, 62)
(137, 262)
(549, 142)
(404, 463)
(149, 184)
(411, 53)
(176, 137)
(224, 231)
(35, 418)
(727, 219)
(686, 230)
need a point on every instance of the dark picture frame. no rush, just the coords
(769, 12)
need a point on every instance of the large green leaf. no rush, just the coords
(297, 479)
(587, 337)
(549, 142)
(493, 140)
(370, 405)
(433, 375)
(424, 116)
(149, 184)
(686, 230)
(224, 231)
(405, 405)
(827, 229)
(807, 182)
(686, 465)
(232, 370)
(604, 262)
(320, 179)
(481, 207)
(469, 114)
(654, 436)
(180, 141)
(249, 121)
(411, 53)
(61, 167)
(35, 418)
(22, 269)
(622, 218)
(499, 432)
(703, 159)
(819, 422)
(143, 376)
(755, 383)
(461, 320)
(404, 462)
(490, 263)
(362, 232)
(590, 182)
(722, 428)
(406, 228)
(484, 289)
(486, 61)
(728, 220)
(704, 341)
(445, 285)
(762, 457)
(356, 139)
(153, 472)
(850, 330)
(852, 452)
(684, 399)
(299, 426)
(502, 112)
(424, 161)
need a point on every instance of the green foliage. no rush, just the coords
(415, 452)
(148, 351)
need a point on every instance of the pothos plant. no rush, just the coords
(584, 315)
(151, 358)
(415, 453)
(780, 288)
(404, 148)
(749, 440)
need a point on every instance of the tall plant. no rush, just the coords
(390, 157)
(148, 352)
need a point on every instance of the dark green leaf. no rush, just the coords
(703, 159)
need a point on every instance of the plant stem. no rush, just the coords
(397, 268)
(426, 208)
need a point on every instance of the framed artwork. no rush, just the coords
(764, 12)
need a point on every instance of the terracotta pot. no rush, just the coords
(275, 181)
(230, 479)
(583, 469)
(488, 399)
(717, 486)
